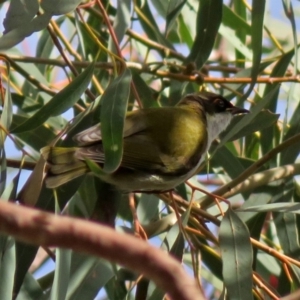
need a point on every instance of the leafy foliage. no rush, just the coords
(94, 61)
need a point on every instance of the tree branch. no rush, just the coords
(45, 229)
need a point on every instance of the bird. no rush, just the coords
(162, 147)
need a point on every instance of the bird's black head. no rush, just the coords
(211, 103)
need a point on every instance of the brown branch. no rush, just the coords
(45, 229)
(106, 65)
(17, 164)
(160, 73)
(222, 80)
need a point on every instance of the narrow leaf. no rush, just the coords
(174, 9)
(88, 276)
(62, 274)
(278, 207)
(209, 18)
(247, 119)
(3, 171)
(19, 13)
(149, 24)
(257, 18)
(18, 34)
(236, 253)
(57, 7)
(61, 102)
(121, 22)
(234, 21)
(7, 269)
(114, 107)
(263, 119)
(234, 40)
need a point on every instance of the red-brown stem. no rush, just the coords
(45, 229)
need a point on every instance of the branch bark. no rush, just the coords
(45, 229)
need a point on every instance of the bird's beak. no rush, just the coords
(237, 110)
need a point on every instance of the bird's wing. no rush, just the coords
(133, 124)
(138, 147)
(139, 152)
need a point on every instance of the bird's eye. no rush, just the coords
(221, 104)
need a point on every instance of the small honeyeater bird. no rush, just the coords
(162, 147)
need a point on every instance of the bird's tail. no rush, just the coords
(64, 166)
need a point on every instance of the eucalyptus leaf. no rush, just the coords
(247, 119)
(7, 269)
(61, 102)
(88, 275)
(209, 18)
(20, 13)
(262, 120)
(61, 274)
(56, 7)
(234, 21)
(236, 253)
(114, 106)
(16, 35)
(258, 10)
(279, 207)
(150, 26)
(174, 9)
(121, 23)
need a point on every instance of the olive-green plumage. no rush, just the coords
(162, 147)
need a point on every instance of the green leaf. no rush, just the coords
(30, 289)
(209, 18)
(3, 171)
(225, 158)
(88, 275)
(289, 12)
(278, 207)
(236, 253)
(174, 9)
(35, 138)
(234, 21)
(287, 230)
(184, 32)
(7, 269)
(16, 35)
(262, 120)
(147, 208)
(7, 112)
(150, 25)
(61, 275)
(20, 13)
(146, 94)
(61, 102)
(57, 7)
(240, 9)
(257, 22)
(121, 22)
(279, 70)
(230, 35)
(247, 119)
(114, 107)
